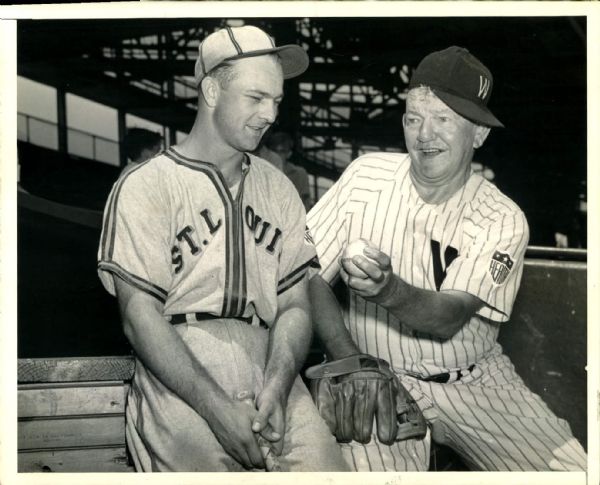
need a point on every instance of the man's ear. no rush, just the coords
(481, 133)
(209, 91)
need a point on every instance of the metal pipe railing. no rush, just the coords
(93, 137)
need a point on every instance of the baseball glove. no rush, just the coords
(351, 393)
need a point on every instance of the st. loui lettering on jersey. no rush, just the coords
(265, 234)
(215, 250)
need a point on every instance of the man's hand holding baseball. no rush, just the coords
(370, 275)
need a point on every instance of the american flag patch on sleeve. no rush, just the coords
(500, 267)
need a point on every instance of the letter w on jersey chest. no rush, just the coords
(439, 271)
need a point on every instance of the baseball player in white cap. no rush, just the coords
(204, 247)
(436, 282)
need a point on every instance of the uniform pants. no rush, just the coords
(489, 417)
(165, 434)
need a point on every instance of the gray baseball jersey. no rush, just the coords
(173, 229)
(218, 259)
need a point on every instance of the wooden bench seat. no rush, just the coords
(72, 414)
(71, 410)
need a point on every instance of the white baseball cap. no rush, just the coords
(233, 43)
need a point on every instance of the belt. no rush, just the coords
(201, 316)
(446, 377)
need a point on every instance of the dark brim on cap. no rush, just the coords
(294, 60)
(467, 109)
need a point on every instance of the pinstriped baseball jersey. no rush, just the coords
(173, 229)
(474, 242)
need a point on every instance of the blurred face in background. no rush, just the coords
(151, 151)
(283, 149)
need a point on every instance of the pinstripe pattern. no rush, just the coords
(375, 199)
(495, 423)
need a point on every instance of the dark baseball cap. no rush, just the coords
(231, 43)
(460, 80)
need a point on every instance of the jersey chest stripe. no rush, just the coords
(238, 297)
(218, 182)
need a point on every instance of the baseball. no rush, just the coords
(355, 248)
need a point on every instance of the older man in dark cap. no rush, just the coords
(204, 247)
(429, 293)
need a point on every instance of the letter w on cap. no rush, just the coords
(484, 86)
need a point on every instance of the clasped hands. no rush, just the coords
(240, 424)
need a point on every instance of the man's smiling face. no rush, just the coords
(440, 141)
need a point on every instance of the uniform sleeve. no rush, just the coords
(134, 243)
(327, 227)
(492, 266)
(298, 251)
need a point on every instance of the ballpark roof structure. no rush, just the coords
(351, 98)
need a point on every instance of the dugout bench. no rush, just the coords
(71, 410)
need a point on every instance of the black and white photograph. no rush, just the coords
(331, 241)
